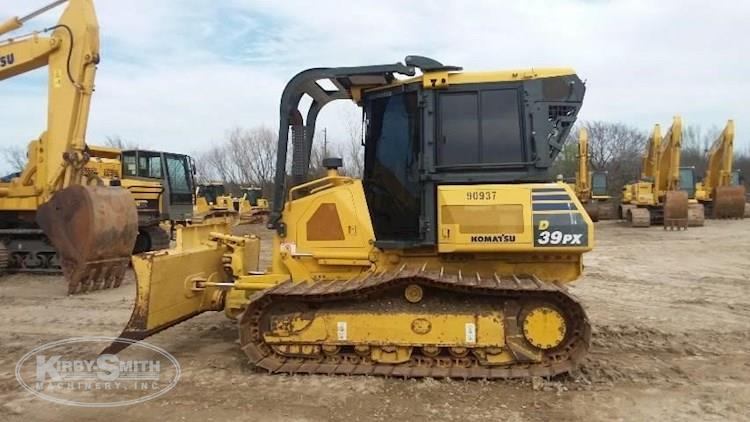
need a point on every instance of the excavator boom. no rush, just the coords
(90, 225)
(722, 197)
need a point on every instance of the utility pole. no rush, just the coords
(325, 142)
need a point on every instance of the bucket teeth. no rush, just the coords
(97, 276)
(93, 229)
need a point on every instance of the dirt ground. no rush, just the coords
(670, 313)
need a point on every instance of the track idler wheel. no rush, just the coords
(729, 202)
(676, 210)
(93, 229)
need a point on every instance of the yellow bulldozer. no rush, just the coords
(78, 208)
(721, 191)
(213, 200)
(252, 207)
(449, 258)
(657, 197)
(591, 186)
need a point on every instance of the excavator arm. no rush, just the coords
(650, 158)
(92, 227)
(583, 190)
(71, 52)
(720, 157)
(668, 169)
(724, 199)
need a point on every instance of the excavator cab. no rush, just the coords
(688, 179)
(599, 184)
(737, 178)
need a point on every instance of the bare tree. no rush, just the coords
(613, 147)
(354, 159)
(117, 141)
(246, 157)
(14, 157)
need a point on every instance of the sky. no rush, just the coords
(179, 74)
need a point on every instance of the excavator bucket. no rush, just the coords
(93, 229)
(592, 209)
(729, 202)
(171, 284)
(676, 210)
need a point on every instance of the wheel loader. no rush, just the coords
(590, 186)
(721, 191)
(70, 209)
(657, 197)
(449, 258)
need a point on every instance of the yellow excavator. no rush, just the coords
(721, 191)
(591, 186)
(59, 213)
(449, 258)
(657, 198)
(91, 225)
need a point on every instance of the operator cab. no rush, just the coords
(424, 132)
(173, 171)
(598, 183)
(737, 178)
(252, 195)
(211, 191)
(688, 179)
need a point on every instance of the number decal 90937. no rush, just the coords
(481, 195)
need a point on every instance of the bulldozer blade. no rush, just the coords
(676, 210)
(93, 229)
(171, 288)
(729, 202)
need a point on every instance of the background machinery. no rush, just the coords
(162, 186)
(449, 257)
(213, 200)
(252, 206)
(657, 198)
(591, 186)
(91, 225)
(212, 196)
(721, 190)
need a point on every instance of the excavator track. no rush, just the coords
(639, 217)
(444, 295)
(696, 215)
(4, 258)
